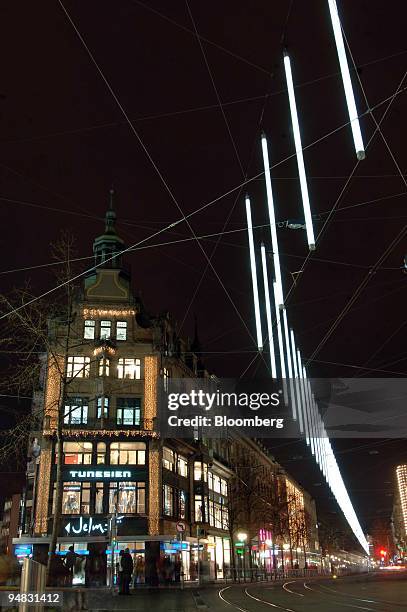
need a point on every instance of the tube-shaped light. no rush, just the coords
(254, 275)
(268, 312)
(273, 228)
(297, 382)
(300, 158)
(280, 346)
(308, 406)
(289, 364)
(303, 397)
(347, 83)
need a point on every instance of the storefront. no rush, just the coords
(218, 552)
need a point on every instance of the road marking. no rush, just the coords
(268, 603)
(338, 603)
(374, 601)
(228, 602)
(289, 591)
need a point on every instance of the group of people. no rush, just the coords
(169, 571)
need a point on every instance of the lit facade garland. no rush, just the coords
(110, 433)
(154, 490)
(41, 515)
(150, 389)
(56, 366)
(402, 483)
(91, 313)
(104, 349)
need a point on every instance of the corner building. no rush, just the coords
(123, 485)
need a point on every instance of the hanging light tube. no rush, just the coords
(303, 398)
(254, 275)
(297, 382)
(308, 408)
(347, 83)
(289, 364)
(280, 346)
(300, 158)
(273, 227)
(268, 312)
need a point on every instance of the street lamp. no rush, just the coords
(242, 538)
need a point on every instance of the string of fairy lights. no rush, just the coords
(286, 361)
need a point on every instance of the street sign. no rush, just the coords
(181, 527)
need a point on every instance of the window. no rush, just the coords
(166, 376)
(128, 411)
(77, 453)
(75, 498)
(121, 330)
(78, 367)
(223, 487)
(216, 483)
(130, 497)
(104, 366)
(168, 459)
(182, 505)
(198, 509)
(105, 330)
(182, 466)
(89, 330)
(102, 407)
(168, 500)
(129, 368)
(76, 411)
(101, 452)
(128, 453)
(200, 471)
(99, 498)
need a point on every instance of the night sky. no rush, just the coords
(64, 141)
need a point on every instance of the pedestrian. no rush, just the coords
(70, 562)
(139, 570)
(127, 571)
(120, 572)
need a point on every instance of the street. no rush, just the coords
(379, 593)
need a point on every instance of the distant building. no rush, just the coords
(123, 485)
(10, 523)
(400, 511)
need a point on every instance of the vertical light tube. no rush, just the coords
(308, 405)
(273, 229)
(303, 397)
(300, 158)
(297, 382)
(289, 364)
(280, 346)
(254, 275)
(347, 83)
(268, 312)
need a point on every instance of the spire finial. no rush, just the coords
(111, 198)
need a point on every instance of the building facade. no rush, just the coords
(169, 501)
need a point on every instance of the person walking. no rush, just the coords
(127, 571)
(70, 561)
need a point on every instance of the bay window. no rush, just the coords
(104, 366)
(129, 368)
(182, 466)
(168, 500)
(168, 459)
(102, 407)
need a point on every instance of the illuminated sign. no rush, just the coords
(88, 526)
(78, 472)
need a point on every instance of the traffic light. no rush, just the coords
(383, 552)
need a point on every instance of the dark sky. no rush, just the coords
(64, 141)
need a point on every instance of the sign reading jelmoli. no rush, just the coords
(95, 473)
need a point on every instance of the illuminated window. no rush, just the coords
(129, 368)
(182, 505)
(168, 459)
(168, 500)
(166, 376)
(128, 453)
(223, 487)
(128, 411)
(198, 509)
(121, 330)
(101, 452)
(182, 464)
(78, 367)
(200, 471)
(89, 330)
(105, 330)
(99, 498)
(128, 497)
(102, 402)
(77, 453)
(76, 411)
(104, 366)
(75, 498)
